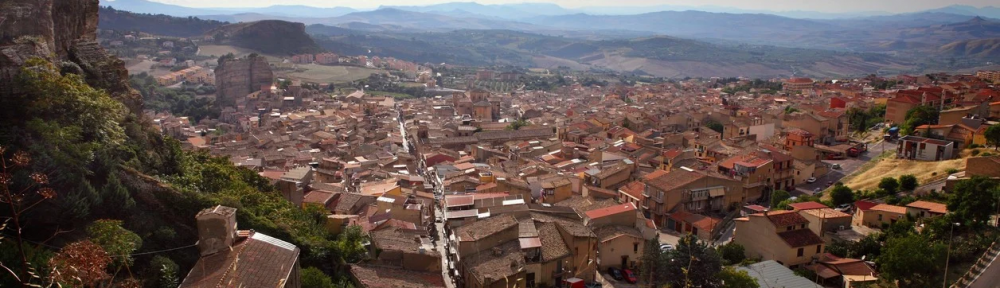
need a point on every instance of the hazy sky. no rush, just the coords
(772, 5)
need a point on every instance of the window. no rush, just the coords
(577, 251)
(879, 217)
(803, 226)
(635, 247)
(800, 251)
(789, 228)
(819, 249)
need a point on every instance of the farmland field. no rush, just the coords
(327, 74)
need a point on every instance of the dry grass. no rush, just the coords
(328, 74)
(924, 171)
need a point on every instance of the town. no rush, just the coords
(575, 186)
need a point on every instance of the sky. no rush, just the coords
(894, 6)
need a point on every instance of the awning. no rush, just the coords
(717, 192)
(530, 242)
(823, 271)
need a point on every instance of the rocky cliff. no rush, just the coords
(235, 78)
(272, 37)
(63, 32)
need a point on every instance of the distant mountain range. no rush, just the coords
(543, 35)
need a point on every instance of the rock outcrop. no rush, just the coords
(272, 37)
(235, 78)
(63, 32)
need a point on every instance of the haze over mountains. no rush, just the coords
(605, 38)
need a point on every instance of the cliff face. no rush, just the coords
(63, 32)
(235, 78)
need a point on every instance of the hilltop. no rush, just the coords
(158, 24)
(273, 37)
(980, 48)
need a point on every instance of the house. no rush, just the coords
(797, 85)
(240, 258)
(835, 269)
(408, 248)
(825, 222)
(924, 149)
(925, 209)
(620, 246)
(782, 236)
(686, 189)
(632, 193)
(877, 215)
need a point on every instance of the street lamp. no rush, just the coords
(948, 255)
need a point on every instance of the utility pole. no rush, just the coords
(948, 257)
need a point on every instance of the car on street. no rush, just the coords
(811, 180)
(615, 273)
(629, 276)
(666, 247)
(836, 166)
(844, 207)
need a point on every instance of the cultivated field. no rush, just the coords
(327, 74)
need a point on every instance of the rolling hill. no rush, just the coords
(113, 19)
(978, 48)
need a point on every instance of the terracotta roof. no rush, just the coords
(486, 227)
(486, 265)
(553, 246)
(889, 208)
(826, 213)
(372, 276)
(668, 181)
(633, 189)
(318, 197)
(938, 208)
(785, 218)
(610, 232)
(807, 205)
(573, 227)
(800, 238)
(397, 239)
(864, 205)
(263, 261)
(604, 212)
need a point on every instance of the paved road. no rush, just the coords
(990, 277)
(847, 166)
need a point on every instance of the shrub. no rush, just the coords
(951, 171)
(975, 152)
(907, 182)
(889, 184)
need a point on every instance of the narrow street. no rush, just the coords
(847, 167)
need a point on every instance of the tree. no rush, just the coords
(114, 239)
(920, 115)
(841, 194)
(716, 126)
(315, 278)
(732, 253)
(80, 264)
(350, 244)
(889, 185)
(165, 272)
(913, 260)
(650, 261)
(974, 200)
(907, 182)
(777, 197)
(730, 277)
(992, 135)
(692, 264)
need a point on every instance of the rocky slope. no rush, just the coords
(980, 48)
(64, 32)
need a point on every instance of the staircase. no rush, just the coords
(977, 269)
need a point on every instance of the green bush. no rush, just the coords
(314, 278)
(907, 182)
(951, 171)
(974, 152)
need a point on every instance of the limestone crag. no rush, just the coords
(235, 78)
(63, 32)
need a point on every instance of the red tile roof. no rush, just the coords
(372, 276)
(807, 206)
(633, 189)
(930, 206)
(800, 238)
(785, 218)
(604, 212)
(864, 205)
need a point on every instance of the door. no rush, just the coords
(625, 262)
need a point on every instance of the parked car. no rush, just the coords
(811, 180)
(594, 285)
(844, 207)
(629, 276)
(666, 247)
(615, 273)
(836, 166)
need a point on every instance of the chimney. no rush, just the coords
(216, 229)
